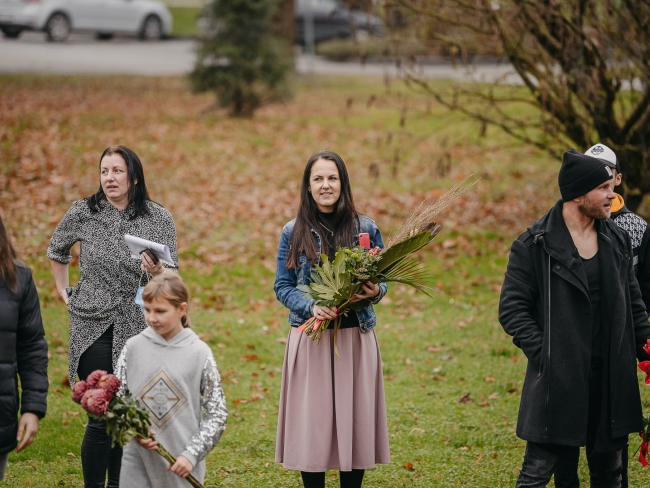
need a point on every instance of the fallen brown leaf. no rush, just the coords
(465, 398)
(249, 357)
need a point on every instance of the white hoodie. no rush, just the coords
(176, 381)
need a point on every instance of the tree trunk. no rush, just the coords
(283, 22)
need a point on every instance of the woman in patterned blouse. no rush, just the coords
(103, 314)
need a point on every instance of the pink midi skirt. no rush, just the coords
(332, 409)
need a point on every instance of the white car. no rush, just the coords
(149, 19)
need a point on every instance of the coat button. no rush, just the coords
(557, 267)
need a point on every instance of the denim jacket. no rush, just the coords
(286, 280)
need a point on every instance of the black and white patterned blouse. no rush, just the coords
(109, 280)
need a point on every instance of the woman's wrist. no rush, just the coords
(63, 292)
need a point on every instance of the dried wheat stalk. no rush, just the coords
(423, 217)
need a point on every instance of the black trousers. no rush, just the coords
(540, 464)
(97, 456)
(349, 479)
(605, 469)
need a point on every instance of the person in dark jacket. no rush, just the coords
(23, 350)
(639, 233)
(572, 304)
(627, 220)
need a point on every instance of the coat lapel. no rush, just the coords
(559, 245)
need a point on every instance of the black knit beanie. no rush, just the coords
(580, 174)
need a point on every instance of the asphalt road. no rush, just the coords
(83, 54)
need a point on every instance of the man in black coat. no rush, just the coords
(23, 353)
(571, 303)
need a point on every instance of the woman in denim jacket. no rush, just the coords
(332, 411)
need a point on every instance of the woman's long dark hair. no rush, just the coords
(7, 257)
(345, 221)
(138, 195)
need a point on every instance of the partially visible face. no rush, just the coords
(163, 317)
(325, 184)
(617, 177)
(597, 203)
(114, 178)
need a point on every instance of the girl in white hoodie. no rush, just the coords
(174, 375)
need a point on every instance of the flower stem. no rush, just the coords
(171, 460)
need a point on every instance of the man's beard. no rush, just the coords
(593, 210)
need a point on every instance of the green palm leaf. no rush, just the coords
(409, 268)
(427, 290)
(410, 272)
(397, 252)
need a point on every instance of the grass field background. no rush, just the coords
(453, 378)
(185, 21)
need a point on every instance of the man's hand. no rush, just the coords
(150, 443)
(27, 429)
(182, 467)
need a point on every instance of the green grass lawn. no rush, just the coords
(185, 19)
(453, 378)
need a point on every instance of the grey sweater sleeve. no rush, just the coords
(215, 414)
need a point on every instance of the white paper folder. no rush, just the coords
(136, 245)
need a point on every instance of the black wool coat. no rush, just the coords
(23, 353)
(545, 307)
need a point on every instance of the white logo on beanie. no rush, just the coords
(609, 171)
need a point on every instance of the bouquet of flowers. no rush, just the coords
(645, 435)
(124, 416)
(334, 284)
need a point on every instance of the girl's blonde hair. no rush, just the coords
(172, 288)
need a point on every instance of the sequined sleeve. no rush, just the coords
(120, 371)
(215, 414)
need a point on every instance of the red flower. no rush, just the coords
(78, 391)
(643, 452)
(96, 401)
(646, 348)
(375, 252)
(109, 383)
(645, 367)
(93, 378)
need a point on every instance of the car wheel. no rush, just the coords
(11, 32)
(104, 36)
(151, 29)
(58, 27)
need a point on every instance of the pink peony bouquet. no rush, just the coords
(124, 416)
